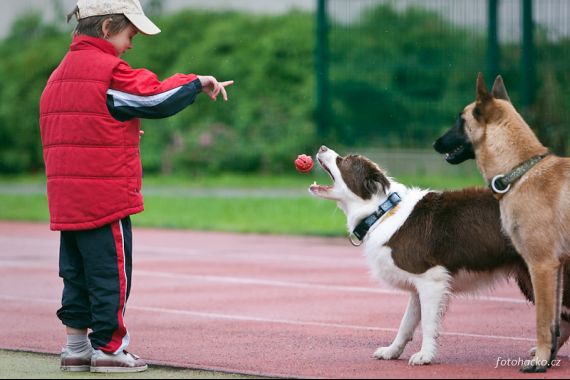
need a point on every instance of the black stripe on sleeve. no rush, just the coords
(181, 99)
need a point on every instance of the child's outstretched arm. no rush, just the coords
(137, 93)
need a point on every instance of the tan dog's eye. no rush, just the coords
(477, 113)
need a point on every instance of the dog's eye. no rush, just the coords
(476, 112)
(339, 161)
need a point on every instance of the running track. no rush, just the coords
(264, 305)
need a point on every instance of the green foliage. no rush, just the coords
(403, 80)
(398, 78)
(267, 120)
(29, 55)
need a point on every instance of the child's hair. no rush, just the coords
(93, 26)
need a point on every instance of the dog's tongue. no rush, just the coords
(315, 187)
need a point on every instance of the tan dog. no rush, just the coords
(533, 187)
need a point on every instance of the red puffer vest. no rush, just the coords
(92, 161)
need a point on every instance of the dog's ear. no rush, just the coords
(499, 90)
(375, 181)
(483, 94)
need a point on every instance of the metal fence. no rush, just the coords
(395, 73)
(415, 162)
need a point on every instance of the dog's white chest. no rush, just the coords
(379, 256)
(383, 268)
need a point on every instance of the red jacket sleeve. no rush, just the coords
(138, 93)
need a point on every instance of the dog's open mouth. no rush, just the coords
(316, 187)
(459, 153)
(455, 153)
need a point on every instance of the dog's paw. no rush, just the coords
(421, 358)
(532, 366)
(387, 353)
(532, 352)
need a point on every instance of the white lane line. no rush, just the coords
(222, 253)
(42, 243)
(303, 285)
(241, 318)
(264, 282)
(283, 284)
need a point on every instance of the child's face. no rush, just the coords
(123, 41)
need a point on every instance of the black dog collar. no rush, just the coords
(500, 184)
(363, 227)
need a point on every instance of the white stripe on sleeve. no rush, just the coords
(124, 99)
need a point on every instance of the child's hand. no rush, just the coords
(212, 87)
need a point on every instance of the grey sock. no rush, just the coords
(78, 343)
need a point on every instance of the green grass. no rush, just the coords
(24, 365)
(237, 181)
(262, 181)
(297, 216)
(301, 215)
(23, 207)
(212, 181)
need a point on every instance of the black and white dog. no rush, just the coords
(431, 243)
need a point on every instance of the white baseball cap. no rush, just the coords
(132, 10)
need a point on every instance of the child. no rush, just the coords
(89, 120)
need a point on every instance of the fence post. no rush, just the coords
(493, 53)
(527, 56)
(321, 68)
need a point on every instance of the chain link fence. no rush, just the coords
(400, 71)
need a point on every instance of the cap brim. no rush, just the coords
(143, 24)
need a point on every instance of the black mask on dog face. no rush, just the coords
(455, 144)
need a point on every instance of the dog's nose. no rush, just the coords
(323, 149)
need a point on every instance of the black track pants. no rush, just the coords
(96, 268)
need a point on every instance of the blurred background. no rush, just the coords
(379, 77)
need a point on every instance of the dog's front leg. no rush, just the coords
(405, 334)
(433, 293)
(545, 280)
(564, 333)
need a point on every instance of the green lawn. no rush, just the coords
(187, 203)
(24, 365)
(298, 216)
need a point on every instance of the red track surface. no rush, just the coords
(270, 305)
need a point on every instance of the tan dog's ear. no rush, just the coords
(499, 90)
(483, 94)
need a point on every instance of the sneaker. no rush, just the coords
(121, 362)
(74, 362)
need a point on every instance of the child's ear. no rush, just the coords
(105, 27)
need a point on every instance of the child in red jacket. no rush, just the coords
(89, 120)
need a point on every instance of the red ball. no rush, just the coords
(304, 163)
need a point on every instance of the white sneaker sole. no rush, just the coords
(75, 368)
(118, 369)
